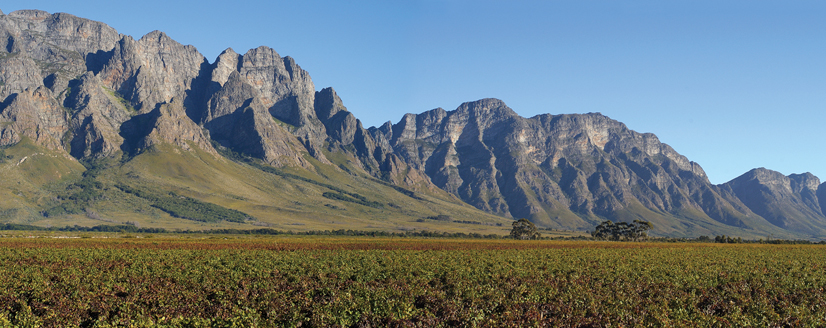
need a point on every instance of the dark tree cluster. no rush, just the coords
(185, 207)
(524, 229)
(440, 217)
(727, 239)
(634, 231)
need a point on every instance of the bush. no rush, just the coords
(358, 199)
(440, 217)
(187, 208)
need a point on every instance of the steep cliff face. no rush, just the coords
(238, 119)
(347, 136)
(560, 170)
(606, 168)
(33, 113)
(790, 202)
(96, 120)
(340, 124)
(287, 92)
(153, 70)
(272, 87)
(459, 151)
(285, 89)
(805, 186)
(50, 49)
(18, 72)
(168, 125)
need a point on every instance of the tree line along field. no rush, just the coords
(395, 282)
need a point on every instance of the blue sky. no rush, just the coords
(732, 85)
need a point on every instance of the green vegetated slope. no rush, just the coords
(28, 174)
(171, 188)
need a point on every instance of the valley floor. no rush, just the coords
(223, 281)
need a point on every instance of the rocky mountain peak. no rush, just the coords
(485, 106)
(152, 70)
(68, 32)
(237, 119)
(483, 113)
(285, 89)
(156, 37)
(438, 126)
(226, 64)
(340, 125)
(328, 104)
(805, 181)
(790, 202)
(62, 47)
(764, 176)
(31, 14)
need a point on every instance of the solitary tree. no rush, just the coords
(524, 229)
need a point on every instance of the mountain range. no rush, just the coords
(96, 126)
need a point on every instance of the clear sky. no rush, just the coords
(732, 85)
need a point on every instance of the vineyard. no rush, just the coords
(378, 282)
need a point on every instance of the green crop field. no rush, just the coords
(406, 282)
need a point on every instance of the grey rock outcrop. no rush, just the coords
(339, 124)
(63, 46)
(279, 87)
(39, 54)
(287, 92)
(101, 76)
(153, 70)
(33, 113)
(169, 125)
(71, 34)
(18, 72)
(285, 89)
(234, 94)
(64, 53)
(225, 65)
(805, 186)
(98, 115)
(238, 119)
(346, 134)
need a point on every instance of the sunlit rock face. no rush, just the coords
(558, 170)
